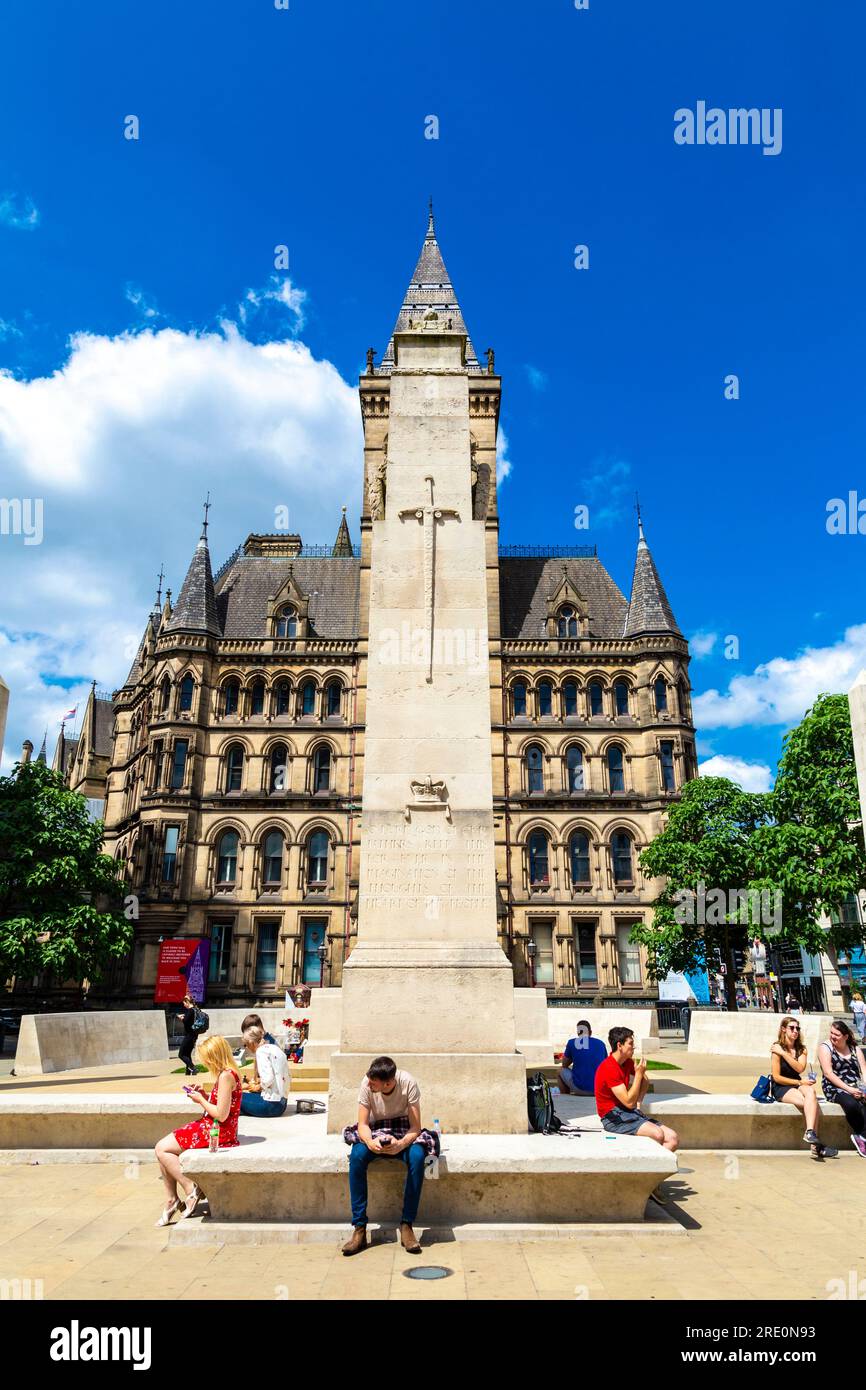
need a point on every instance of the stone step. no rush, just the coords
(309, 1083)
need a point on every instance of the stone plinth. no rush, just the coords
(738, 1122)
(64, 1042)
(115, 1120)
(744, 1034)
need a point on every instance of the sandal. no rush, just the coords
(190, 1203)
(168, 1212)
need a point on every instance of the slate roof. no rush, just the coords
(430, 288)
(248, 583)
(648, 610)
(195, 610)
(525, 585)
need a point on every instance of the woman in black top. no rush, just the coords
(844, 1068)
(788, 1059)
(184, 1052)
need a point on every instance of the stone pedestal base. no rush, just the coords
(469, 1093)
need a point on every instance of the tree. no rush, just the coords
(711, 895)
(60, 897)
(813, 849)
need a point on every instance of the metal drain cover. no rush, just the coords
(428, 1272)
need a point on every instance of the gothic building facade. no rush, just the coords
(233, 789)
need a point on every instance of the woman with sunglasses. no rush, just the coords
(843, 1065)
(791, 1085)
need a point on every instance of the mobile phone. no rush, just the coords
(384, 1141)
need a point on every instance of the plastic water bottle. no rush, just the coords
(214, 1141)
(431, 1168)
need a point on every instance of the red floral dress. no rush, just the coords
(196, 1135)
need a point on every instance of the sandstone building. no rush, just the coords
(233, 790)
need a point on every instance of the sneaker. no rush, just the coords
(859, 1144)
(816, 1151)
(827, 1151)
(810, 1137)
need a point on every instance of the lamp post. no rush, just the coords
(531, 949)
(323, 956)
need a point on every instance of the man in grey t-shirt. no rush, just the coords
(389, 1125)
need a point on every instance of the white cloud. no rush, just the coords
(702, 643)
(503, 463)
(537, 378)
(142, 301)
(18, 211)
(606, 490)
(781, 690)
(8, 329)
(752, 777)
(122, 443)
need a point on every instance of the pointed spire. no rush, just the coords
(648, 609)
(166, 608)
(42, 756)
(430, 288)
(343, 543)
(196, 608)
(157, 603)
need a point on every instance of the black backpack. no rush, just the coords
(201, 1022)
(543, 1119)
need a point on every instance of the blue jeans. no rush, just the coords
(253, 1104)
(360, 1159)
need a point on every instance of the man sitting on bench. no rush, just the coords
(389, 1124)
(619, 1089)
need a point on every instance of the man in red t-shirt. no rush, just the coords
(620, 1086)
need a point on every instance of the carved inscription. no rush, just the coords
(429, 868)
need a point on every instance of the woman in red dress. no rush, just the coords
(223, 1105)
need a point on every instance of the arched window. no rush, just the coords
(596, 698)
(518, 700)
(539, 859)
(333, 699)
(545, 699)
(278, 775)
(574, 769)
(164, 693)
(234, 768)
(620, 849)
(287, 623)
(257, 697)
(569, 699)
(666, 765)
(683, 698)
(322, 769)
(231, 696)
(308, 698)
(282, 697)
(615, 774)
(567, 622)
(227, 857)
(318, 846)
(661, 694)
(187, 686)
(620, 697)
(534, 769)
(578, 851)
(272, 858)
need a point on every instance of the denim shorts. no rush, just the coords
(622, 1121)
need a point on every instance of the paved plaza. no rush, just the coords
(750, 1221)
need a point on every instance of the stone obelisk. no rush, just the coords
(428, 982)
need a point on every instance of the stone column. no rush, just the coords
(428, 982)
(857, 704)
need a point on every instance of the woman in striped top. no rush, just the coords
(844, 1068)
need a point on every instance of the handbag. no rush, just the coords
(763, 1091)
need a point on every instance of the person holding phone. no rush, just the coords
(190, 1037)
(791, 1083)
(843, 1066)
(620, 1086)
(389, 1126)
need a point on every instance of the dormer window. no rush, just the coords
(287, 622)
(567, 621)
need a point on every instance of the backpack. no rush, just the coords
(201, 1022)
(543, 1119)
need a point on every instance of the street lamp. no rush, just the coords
(323, 956)
(531, 949)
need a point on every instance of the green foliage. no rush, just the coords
(60, 898)
(802, 840)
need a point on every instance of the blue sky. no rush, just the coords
(152, 353)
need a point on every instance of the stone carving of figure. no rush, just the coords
(376, 489)
(490, 360)
(370, 365)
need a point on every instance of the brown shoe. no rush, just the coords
(408, 1239)
(357, 1242)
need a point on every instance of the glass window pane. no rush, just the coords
(574, 769)
(273, 857)
(220, 953)
(580, 858)
(569, 698)
(545, 698)
(620, 691)
(317, 865)
(283, 696)
(227, 857)
(279, 768)
(266, 953)
(518, 698)
(596, 698)
(615, 769)
(628, 956)
(257, 698)
(542, 935)
(334, 693)
(178, 766)
(661, 694)
(622, 857)
(667, 765)
(587, 965)
(308, 698)
(539, 869)
(186, 689)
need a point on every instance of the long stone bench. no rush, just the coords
(483, 1178)
(738, 1122)
(112, 1120)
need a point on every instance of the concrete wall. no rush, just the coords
(750, 1034)
(63, 1042)
(323, 1012)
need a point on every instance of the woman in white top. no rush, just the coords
(265, 1096)
(858, 1009)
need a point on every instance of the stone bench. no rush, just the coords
(483, 1178)
(111, 1120)
(738, 1122)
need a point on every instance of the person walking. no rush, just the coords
(790, 1082)
(843, 1066)
(858, 1009)
(190, 1037)
(265, 1096)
